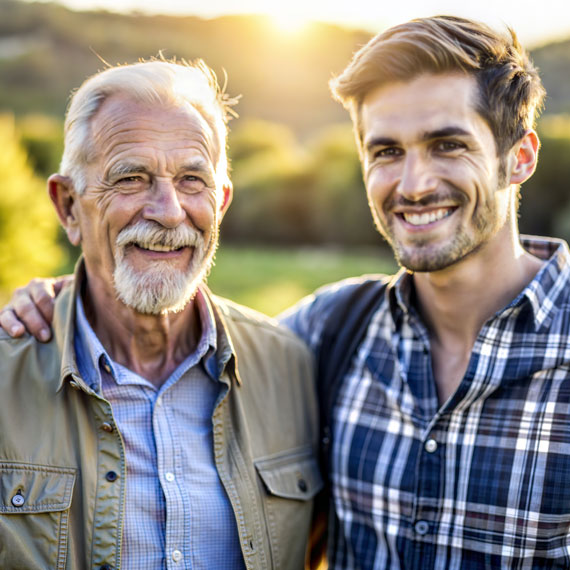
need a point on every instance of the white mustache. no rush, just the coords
(147, 234)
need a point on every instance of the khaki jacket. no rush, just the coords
(62, 460)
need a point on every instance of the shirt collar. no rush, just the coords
(542, 294)
(92, 357)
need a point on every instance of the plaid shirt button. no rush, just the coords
(422, 527)
(430, 445)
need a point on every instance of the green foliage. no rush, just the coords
(286, 192)
(42, 139)
(545, 202)
(270, 279)
(28, 225)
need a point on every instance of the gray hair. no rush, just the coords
(157, 81)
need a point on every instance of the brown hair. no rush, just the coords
(510, 90)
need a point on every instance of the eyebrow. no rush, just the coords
(380, 141)
(197, 166)
(125, 169)
(445, 132)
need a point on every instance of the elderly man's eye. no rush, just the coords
(129, 179)
(192, 183)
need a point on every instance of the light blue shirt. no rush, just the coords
(178, 515)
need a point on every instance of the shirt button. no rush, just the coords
(422, 527)
(159, 401)
(431, 445)
(18, 500)
(302, 485)
(169, 477)
(176, 555)
(107, 368)
(111, 476)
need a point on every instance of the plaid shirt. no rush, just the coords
(480, 482)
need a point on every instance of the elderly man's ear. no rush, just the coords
(227, 195)
(63, 196)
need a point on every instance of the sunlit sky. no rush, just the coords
(536, 22)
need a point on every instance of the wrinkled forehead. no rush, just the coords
(123, 120)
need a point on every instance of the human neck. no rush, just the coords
(456, 302)
(152, 346)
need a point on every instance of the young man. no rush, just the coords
(450, 443)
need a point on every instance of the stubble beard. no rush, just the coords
(162, 288)
(425, 256)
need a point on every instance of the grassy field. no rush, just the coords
(271, 280)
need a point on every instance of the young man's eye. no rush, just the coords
(449, 146)
(387, 152)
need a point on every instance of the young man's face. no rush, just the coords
(431, 170)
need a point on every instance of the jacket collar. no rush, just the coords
(64, 332)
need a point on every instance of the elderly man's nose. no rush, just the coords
(164, 205)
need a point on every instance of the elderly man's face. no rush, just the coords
(150, 213)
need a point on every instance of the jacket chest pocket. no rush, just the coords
(291, 480)
(34, 512)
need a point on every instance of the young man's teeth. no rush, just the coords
(426, 217)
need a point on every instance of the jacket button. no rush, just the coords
(111, 476)
(302, 485)
(18, 500)
(107, 427)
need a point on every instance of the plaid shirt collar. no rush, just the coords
(542, 293)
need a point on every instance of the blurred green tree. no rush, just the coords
(28, 224)
(545, 202)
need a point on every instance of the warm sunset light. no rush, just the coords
(287, 22)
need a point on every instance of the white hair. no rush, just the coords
(157, 82)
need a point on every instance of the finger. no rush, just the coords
(60, 282)
(25, 309)
(10, 323)
(42, 293)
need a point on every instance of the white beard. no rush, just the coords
(161, 288)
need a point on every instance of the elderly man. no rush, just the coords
(449, 415)
(162, 427)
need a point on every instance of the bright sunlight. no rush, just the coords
(288, 22)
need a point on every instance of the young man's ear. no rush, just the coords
(63, 196)
(525, 157)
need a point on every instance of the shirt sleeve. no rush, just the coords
(308, 318)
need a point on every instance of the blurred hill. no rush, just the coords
(295, 169)
(46, 50)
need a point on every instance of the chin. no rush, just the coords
(156, 292)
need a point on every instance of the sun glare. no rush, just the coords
(289, 23)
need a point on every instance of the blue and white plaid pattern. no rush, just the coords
(177, 514)
(483, 481)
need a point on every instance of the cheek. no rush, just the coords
(202, 210)
(377, 188)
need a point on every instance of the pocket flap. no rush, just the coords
(291, 475)
(35, 488)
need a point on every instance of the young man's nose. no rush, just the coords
(416, 179)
